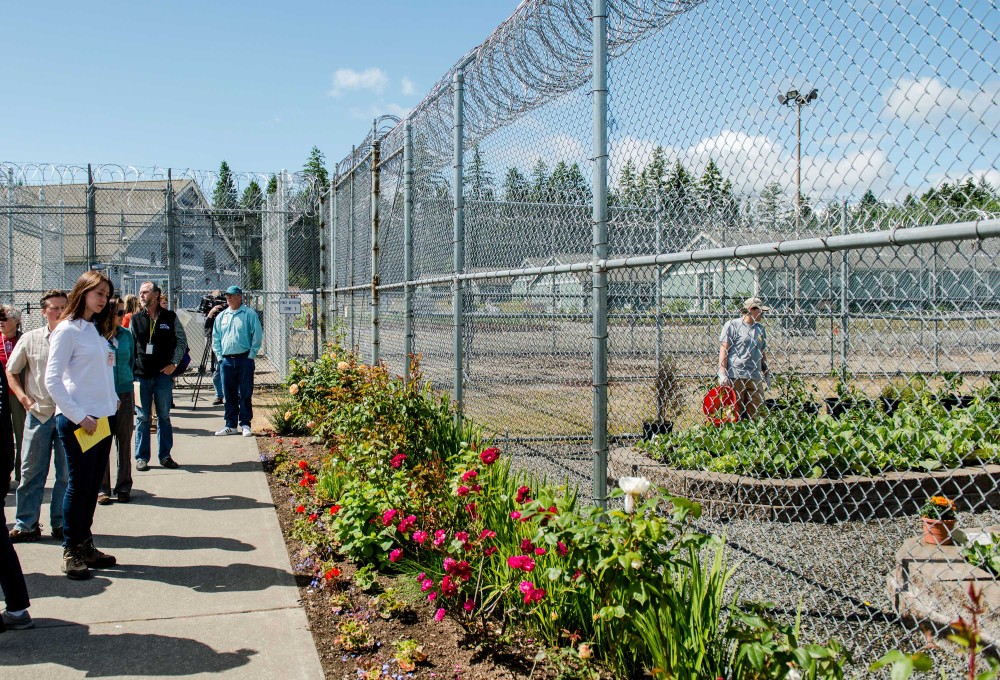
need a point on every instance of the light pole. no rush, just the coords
(794, 98)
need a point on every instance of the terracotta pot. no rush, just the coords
(938, 531)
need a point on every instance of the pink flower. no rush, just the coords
(426, 584)
(387, 517)
(522, 562)
(406, 524)
(471, 474)
(523, 495)
(531, 593)
(449, 564)
(398, 459)
(462, 491)
(396, 555)
(448, 587)
(487, 533)
(420, 536)
(489, 456)
(527, 545)
(540, 551)
(431, 596)
(460, 570)
(562, 549)
(469, 606)
(489, 551)
(526, 587)
(440, 536)
(439, 615)
(462, 536)
(471, 509)
(515, 515)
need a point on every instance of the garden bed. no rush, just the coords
(852, 497)
(450, 654)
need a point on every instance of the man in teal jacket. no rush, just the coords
(236, 339)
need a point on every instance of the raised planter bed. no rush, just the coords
(853, 497)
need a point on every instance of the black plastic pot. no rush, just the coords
(957, 401)
(837, 407)
(890, 404)
(650, 428)
(808, 407)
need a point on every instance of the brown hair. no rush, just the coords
(77, 303)
(44, 302)
(131, 304)
(113, 302)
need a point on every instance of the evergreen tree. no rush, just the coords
(224, 196)
(479, 184)
(540, 182)
(315, 169)
(272, 185)
(515, 186)
(628, 184)
(771, 208)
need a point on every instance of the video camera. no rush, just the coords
(208, 302)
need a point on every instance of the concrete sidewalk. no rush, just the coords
(203, 586)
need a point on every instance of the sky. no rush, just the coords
(188, 84)
(909, 90)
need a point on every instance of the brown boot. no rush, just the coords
(94, 558)
(73, 565)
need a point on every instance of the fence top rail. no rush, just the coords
(937, 233)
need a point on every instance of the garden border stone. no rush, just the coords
(852, 497)
(929, 588)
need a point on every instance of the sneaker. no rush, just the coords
(103, 499)
(141, 465)
(218, 401)
(124, 497)
(94, 558)
(21, 622)
(169, 463)
(58, 533)
(226, 430)
(18, 536)
(73, 565)
(247, 432)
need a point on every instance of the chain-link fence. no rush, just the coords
(568, 220)
(193, 233)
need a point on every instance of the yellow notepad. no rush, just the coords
(102, 432)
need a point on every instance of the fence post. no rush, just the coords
(91, 222)
(407, 247)
(350, 247)
(845, 288)
(376, 160)
(334, 281)
(173, 266)
(320, 314)
(459, 246)
(317, 266)
(600, 244)
(10, 232)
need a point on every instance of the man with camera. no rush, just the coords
(237, 337)
(210, 306)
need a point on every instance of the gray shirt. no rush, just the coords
(747, 343)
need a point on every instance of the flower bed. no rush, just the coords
(405, 488)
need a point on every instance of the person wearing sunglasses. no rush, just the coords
(124, 344)
(743, 358)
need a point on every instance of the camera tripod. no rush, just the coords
(205, 355)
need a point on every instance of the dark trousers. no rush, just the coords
(237, 389)
(15, 591)
(123, 442)
(86, 472)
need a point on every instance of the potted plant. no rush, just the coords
(938, 517)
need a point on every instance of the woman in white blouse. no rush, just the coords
(80, 378)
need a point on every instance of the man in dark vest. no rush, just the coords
(159, 346)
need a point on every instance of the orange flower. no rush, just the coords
(941, 501)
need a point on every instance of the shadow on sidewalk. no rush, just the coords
(160, 542)
(205, 503)
(125, 654)
(206, 578)
(238, 466)
(51, 585)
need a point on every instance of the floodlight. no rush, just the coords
(792, 94)
(782, 99)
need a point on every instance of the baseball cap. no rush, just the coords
(234, 290)
(752, 302)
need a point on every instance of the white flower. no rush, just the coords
(794, 675)
(633, 488)
(637, 564)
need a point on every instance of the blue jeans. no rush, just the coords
(161, 390)
(237, 389)
(217, 380)
(86, 471)
(41, 445)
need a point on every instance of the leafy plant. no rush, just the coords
(985, 556)
(354, 634)
(388, 604)
(408, 654)
(366, 578)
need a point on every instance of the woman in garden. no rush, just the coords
(743, 359)
(80, 378)
(124, 345)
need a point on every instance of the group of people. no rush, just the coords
(73, 383)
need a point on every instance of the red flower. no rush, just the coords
(562, 549)
(471, 509)
(303, 465)
(313, 517)
(489, 456)
(471, 474)
(439, 615)
(489, 551)
(300, 508)
(531, 593)
(448, 587)
(335, 509)
(398, 459)
(527, 545)
(469, 606)
(332, 574)
(462, 491)
(523, 495)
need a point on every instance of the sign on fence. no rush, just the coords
(291, 306)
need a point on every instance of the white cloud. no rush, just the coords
(345, 79)
(407, 87)
(397, 110)
(380, 109)
(929, 102)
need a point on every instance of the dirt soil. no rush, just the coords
(450, 652)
